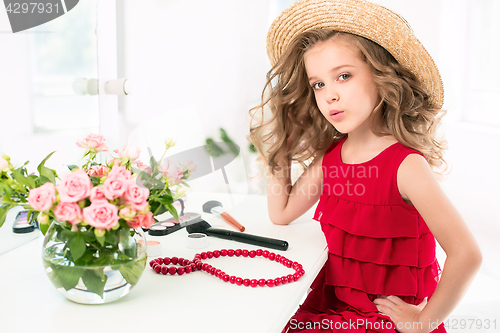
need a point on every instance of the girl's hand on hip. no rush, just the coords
(404, 315)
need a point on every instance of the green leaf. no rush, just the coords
(101, 240)
(153, 163)
(66, 276)
(95, 280)
(4, 209)
(44, 227)
(47, 172)
(20, 178)
(213, 149)
(72, 167)
(132, 271)
(89, 236)
(77, 247)
(111, 237)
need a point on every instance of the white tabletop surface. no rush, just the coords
(196, 302)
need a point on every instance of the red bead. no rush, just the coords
(253, 283)
(223, 252)
(164, 270)
(296, 276)
(188, 269)
(232, 279)
(204, 255)
(261, 282)
(225, 278)
(265, 253)
(244, 253)
(157, 268)
(217, 272)
(172, 270)
(159, 261)
(271, 256)
(216, 253)
(230, 253)
(289, 277)
(284, 280)
(277, 258)
(199, 265)
(205, 267)
(151, 263)
(197, 256)
(193, 267)
(174, 260)
(210, 254)
(282, 260)
(302, 272)
(258, 252)
(238, 281)
(237, 252)
(166, 261)
(277, 281)
(270, 283)
(252, 254)
(212, 270)
(181, 270)
(289, 263)
(246, 282)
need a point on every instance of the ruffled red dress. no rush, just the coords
(377, 244)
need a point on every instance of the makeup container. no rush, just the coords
(171, 225)
(197, 241)
(154, 248)
(21, 224)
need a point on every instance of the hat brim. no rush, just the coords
(361, 18)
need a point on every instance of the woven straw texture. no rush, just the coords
(361, 18)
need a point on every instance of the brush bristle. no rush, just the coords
(200, 227)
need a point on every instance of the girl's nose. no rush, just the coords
(332, 95)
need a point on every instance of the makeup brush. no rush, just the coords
(205, 228)
(215, 207)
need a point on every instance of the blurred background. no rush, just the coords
(195, 67)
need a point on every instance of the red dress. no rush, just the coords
(377, 244)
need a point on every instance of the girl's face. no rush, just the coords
(343, 86)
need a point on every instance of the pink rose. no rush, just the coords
(101, 215)
(127, 213)
(120, 171)
(97, 193)
(190, 166)
(142, 220)
(42, 198)
(143, 167)
(136, 196)
(4, 164)
(114, 186)
(172, 171)
(74, 186)
(130, 152)
(93, 142)
(68, 211)
(98, 170)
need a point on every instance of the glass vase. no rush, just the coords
(106, 267)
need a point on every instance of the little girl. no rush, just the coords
(353, 89)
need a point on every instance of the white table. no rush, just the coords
(196, 302)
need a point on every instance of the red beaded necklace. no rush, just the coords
(188, 266)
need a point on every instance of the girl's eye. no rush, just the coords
(318, 85)
(343, 77)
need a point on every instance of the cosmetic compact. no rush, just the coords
(21, 224)
(171, 225)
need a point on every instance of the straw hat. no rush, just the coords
(362, 18)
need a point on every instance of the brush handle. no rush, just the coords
(229, 219)
(248, 239)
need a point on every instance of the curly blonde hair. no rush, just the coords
(405, 104)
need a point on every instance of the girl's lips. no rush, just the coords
(336, 115)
